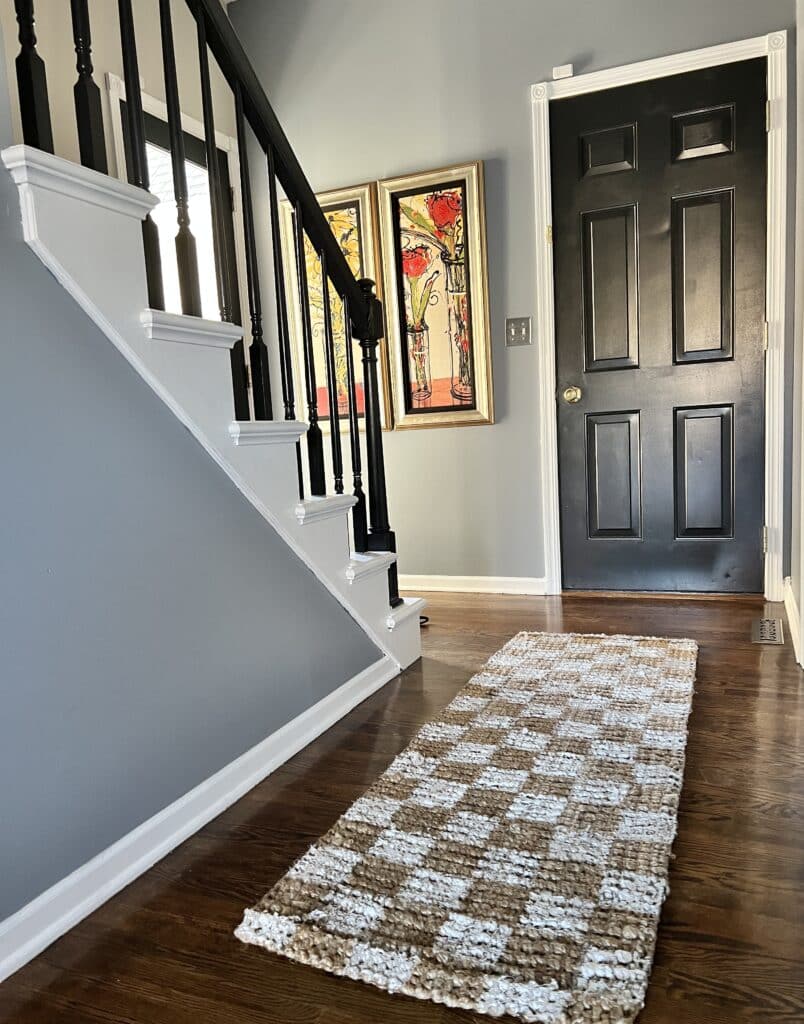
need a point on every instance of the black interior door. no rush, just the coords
(659, 200)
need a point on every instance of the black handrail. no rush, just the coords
(236, 67)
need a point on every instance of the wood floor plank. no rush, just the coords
(731, 942)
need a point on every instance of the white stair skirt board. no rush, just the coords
(24, 935)
(793, 619)
(475, 584)
(186, 361)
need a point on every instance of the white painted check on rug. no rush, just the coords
(513, 859)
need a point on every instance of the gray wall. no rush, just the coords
(153, 626)
(369, 89)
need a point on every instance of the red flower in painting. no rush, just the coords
(444, 208)
(415, 260)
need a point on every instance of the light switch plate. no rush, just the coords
(517, 331)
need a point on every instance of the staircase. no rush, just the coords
(96, 236)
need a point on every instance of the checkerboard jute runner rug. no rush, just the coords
(513, 859)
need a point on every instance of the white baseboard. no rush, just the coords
(793, 619)
(39, 923)
(475, 584)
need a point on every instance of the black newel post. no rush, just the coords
(32, 82)
(138, 163)
(359, 521)
(222, 280)
(88, 114)
(186, 253)
(381, 536)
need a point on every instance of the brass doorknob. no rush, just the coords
(572, 394)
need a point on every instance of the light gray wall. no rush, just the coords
(372, 88)
(153, 627)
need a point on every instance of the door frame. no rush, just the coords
(774, 47)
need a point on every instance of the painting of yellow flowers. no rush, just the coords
(351, 214)
(434, 263)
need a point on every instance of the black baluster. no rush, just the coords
(186, 254)
(381, 536)
(88, 113)
(258, 353)
(332, 380)
(32, 82)
(138, 162)
(225, 303)
(315, 441)
(285, 361)
(359, 523)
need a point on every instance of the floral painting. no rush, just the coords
(351, 215)
(434, 258)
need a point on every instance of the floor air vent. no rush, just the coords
(767, 631)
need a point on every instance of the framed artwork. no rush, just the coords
(434, 269)
(352, 214)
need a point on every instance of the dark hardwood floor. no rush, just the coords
(731, 941)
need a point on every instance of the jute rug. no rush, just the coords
(513, 859)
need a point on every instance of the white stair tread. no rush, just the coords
(29, 166)
(313, 509)
(247, 432)
(367, 563)
(410, 606)
(189, 330)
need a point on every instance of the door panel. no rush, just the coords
(659, 193)
(703, 132)
(612, 474)
(703, 472)
(610, 288)
(608, 150)
(703, 275)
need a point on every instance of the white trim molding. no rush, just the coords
(363, 566)
(25, 934)
(313, 509)
(189, 330)
(774, 47)
(249, 432)
(29, 166)
(793, 619)
(476, 584)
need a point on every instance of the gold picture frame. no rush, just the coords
(433, 234)
(352, 213)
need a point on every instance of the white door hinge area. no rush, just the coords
(549, 234)
(767, 115)
(764, 540)
(765, 336)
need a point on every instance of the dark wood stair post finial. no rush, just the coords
(381, 536)
(32, 82)
(88, 113)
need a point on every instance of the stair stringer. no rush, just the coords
(186, 362)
